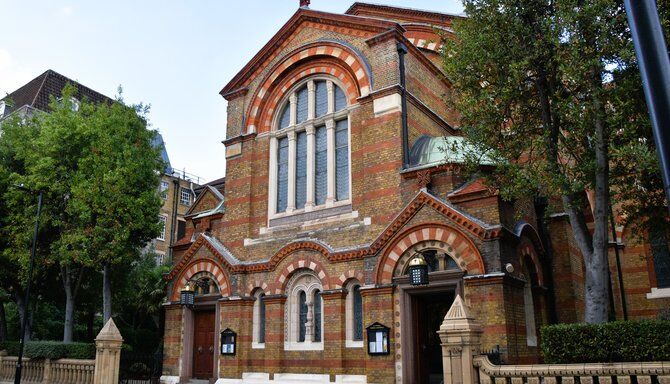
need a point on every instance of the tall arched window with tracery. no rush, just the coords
(309, 149)
(304, 309)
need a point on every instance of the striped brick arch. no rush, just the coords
(325, 58)
(457, 245)
(297, 265)
(257, 284)
(348, 275)
(202, 265)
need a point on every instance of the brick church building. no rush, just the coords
(338, 176)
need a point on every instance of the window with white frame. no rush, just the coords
(309, 149)
(354, 315)
(162, 220)
(164, 189)
(185, 196)
(529, 307)
(304, 309)
(258, 323)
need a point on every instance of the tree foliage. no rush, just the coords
(99, 174)
(550, 90)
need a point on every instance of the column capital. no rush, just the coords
(330, 123)
(309, 129)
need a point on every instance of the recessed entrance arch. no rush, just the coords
(421, 309)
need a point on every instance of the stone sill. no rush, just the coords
(659, 293)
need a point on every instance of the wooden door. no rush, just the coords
(203, 345)
(429, 312)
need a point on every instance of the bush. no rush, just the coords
(12, 347)
(80, 350)
(617, 341)
(51, 350)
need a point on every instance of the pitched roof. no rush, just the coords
(401, 14)
(37, 91)
(303, 14)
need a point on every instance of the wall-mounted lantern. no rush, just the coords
(378, 339)
(228, 340)
(418, 270)
(187, 297)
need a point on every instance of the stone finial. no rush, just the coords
(304, 3)
(109, 332)
(107, 354)
(459, 317)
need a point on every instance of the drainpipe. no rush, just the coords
(402, 51)
(622, 291)
(173, 219)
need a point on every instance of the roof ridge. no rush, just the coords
(39, 89)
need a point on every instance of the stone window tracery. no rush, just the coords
(310, 149)
(304, 309)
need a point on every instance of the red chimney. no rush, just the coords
(304, 3)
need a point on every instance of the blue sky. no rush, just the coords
(174, 55)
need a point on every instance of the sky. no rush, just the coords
(174, 55)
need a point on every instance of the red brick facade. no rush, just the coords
(391, 214)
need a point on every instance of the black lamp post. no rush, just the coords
(418, 270)
(187, 297)
(24, 322)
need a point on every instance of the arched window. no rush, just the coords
(309, 149)
(204, 284)
(528, 306)
(304, 309)
(258, 323)
(354, 315)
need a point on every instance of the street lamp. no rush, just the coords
(24, 323)
(187, 297)
(418, 270)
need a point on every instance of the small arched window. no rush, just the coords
(354, 315)
(302, 320)
(529, 307)
(258, 322)
(309, 149)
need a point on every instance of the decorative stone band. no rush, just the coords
(605, 373)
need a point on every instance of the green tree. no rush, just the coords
(544, 89)
(99, 174)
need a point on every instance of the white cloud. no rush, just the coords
(67, 10)
(12, 73)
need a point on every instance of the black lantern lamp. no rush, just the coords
(378, 339)
(418, 270)
(228, 339)
(187, 295)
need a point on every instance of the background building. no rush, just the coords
(177, 188)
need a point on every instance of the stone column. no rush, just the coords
(460, 335)
(107, 354)
(330, 139)
(290, 207)
(311, 166)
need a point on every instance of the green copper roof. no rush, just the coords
(429, 151)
